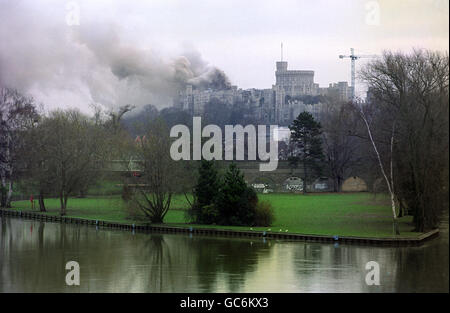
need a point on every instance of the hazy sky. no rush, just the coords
(124, 51)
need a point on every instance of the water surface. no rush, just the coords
(33, 255)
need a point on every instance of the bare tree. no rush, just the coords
(409, 96)
(159, 178)
(17, 113)
(73, 152)
(389, 180)
(37, 178)
(340, 147)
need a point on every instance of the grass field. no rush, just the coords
(355, 214)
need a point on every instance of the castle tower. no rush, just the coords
(282, 66)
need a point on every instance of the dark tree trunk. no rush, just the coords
(400, 208)
(41, 202)
(336, 184)
(63, 203)
(3, 197)
(8, 196)
(66, 197)
(304, 177)
(396, 229)
(418, 219)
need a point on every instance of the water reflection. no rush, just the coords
(33, 255)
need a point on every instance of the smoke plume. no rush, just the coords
(92, 63)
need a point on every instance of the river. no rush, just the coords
(33, 256)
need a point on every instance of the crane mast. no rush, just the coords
(353, 58)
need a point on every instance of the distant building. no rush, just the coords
(293, 82)
(194, 100)
(340, 91)
(290, 89)
(293, 93)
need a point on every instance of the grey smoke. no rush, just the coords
(92, 63)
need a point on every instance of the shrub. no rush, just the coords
(263, 214)
(236, 201)
(209, 214)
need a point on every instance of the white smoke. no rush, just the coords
(91, 63)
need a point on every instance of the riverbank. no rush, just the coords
(397, 241)
(332, 215)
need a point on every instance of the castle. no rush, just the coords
(294, 92)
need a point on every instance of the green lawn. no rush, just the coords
(356, 214)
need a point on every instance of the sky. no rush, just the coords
(74, 53)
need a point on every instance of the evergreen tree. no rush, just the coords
(306, 136)
(236, 201)
(205, 193)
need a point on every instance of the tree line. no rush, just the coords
(398, 137)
